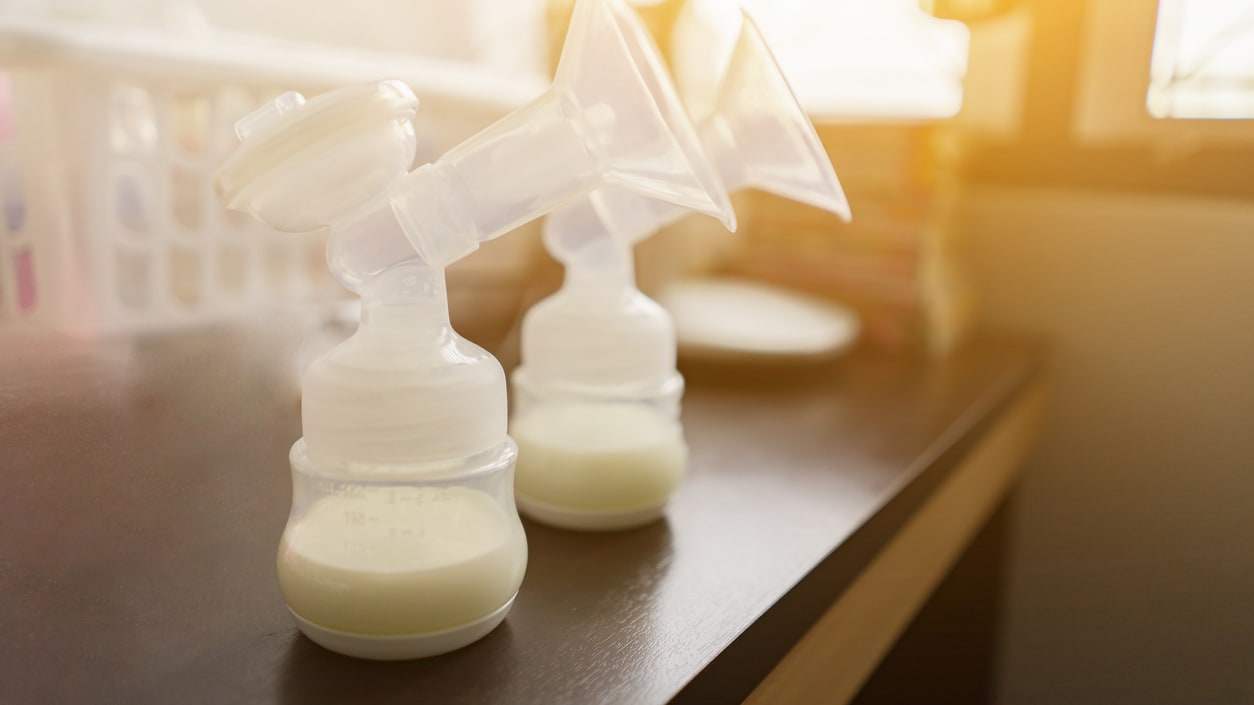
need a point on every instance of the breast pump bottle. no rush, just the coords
(403, 540)
(596, 398)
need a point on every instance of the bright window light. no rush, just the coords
(844, 58)
(1203, 62)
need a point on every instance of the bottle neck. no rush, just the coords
(595, 234)
(602, 269)
(366, 245)
(407, 303)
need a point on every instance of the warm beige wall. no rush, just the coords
(1130, 558)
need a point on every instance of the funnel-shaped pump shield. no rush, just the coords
(758, 136)
(612, 70)
(761, 137)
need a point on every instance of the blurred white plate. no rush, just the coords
(738, 319)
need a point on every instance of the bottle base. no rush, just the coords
(399, 647)
(564, 518)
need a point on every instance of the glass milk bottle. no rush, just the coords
(597, 393)
(596, 401)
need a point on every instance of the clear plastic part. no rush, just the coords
(597, 394)
(403, 539)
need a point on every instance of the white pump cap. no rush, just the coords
(405, 388)
(306, 164)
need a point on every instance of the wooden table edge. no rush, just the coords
(806, 645)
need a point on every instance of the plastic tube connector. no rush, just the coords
(435, 212)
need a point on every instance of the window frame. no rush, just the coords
(1113, 84)
(1045, 150)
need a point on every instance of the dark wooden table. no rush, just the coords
(145, 485)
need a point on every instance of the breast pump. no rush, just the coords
(596, 398)
(403, 540)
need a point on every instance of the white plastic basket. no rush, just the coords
(108, 141)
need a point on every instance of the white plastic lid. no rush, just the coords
(306, 164)
(578, 337)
